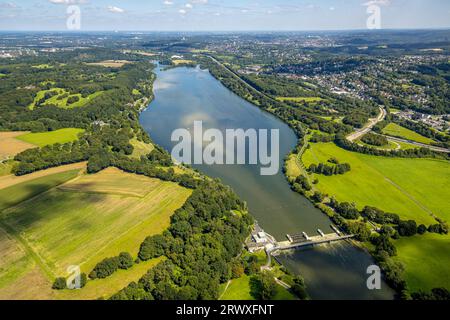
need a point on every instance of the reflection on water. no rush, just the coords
(184, 95)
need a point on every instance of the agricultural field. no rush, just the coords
(110, 63)
(10, 145)
(48, 138)
(61, 99)
(15, 194)
(426, 259)
(82, 221)
(393, 129)
(413, 188)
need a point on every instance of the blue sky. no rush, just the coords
(213, 15)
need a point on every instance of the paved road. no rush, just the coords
(434, 148)
(368, 127)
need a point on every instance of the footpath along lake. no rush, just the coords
(184, 95)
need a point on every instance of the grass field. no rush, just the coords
(395, 130)
(94, 216)
(17, 193)
(426, 259)
(182, 61)
(6, 167)
(412, 188)
(48, 138)
(241, 289)
(81, 222)
(110, 63)
(60, 100)
(10, 146)
(300, 99)
(140, 148)
(105, 288)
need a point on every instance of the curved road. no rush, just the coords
(368, 127)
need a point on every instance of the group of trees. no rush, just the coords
(329, 170)
(200, 245)
(108, 266)
(374, 139)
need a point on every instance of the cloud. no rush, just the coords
(182, 11)
(8, 5)
(115, 9)
(189, 6)
(199, 1)
(377, 2)
(68, 1)
(168, 3)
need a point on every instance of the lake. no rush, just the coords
(184, 95)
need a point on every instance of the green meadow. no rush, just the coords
(60, 99)
(393, 129)
(241, 289)
(413, 188)
(426, 259)
(17, 193)
(42, 139)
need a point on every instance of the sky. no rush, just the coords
(222, 15)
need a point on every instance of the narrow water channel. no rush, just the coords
(185, 95)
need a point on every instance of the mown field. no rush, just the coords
(10, 146)
(110, 63)
(80, 222)
(42, 139)
(413, 188)
(395, 130)
(241, 289)
(140, 148)
(426, 259)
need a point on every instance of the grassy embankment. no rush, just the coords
(393, 129)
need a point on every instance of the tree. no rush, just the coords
(421, 229)
(299, 288)
(266, 285)
(407, 228)
(59, 284)
(317, 197)
(125, 261)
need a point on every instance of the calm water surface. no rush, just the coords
(185, 95)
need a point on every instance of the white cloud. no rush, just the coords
(115, 9)
(189, 6)
(168, 3)
(377, 2)
(199, 1)
(8, 5)
(182, 11)
(68, 1)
